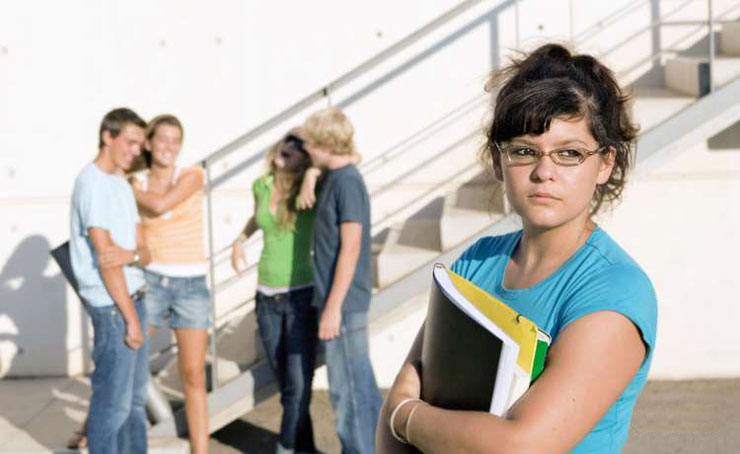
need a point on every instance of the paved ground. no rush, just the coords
(698, 416)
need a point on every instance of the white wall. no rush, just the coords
(223, 67)
(682, 224)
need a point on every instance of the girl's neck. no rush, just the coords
(161, 172)
(284, 180)
(552, 246)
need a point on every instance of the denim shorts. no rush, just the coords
(177, 302)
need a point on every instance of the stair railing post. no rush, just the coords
(212, 276)
(711, 46)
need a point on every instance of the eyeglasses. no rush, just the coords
(522, 155)
(296, 141)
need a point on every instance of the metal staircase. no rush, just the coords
(429, 197)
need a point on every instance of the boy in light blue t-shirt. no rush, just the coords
(107, 251)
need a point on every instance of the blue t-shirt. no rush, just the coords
(600, 276)
(105, 201)
(342, 198)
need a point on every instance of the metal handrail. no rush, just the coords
(611, 18)
(339, 82)
(324, 92)
(601, 26)
(650, 26)
(709, 23)
(370, 166)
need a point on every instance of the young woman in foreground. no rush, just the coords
(560, 140)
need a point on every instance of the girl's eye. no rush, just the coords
(522, 151)
(569, 153)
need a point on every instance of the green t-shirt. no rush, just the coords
(286, 253)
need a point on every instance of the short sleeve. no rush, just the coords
(93, 208)
(467, 259)
(351, 199)
(622, 288)
(483, 253)
(259, 185)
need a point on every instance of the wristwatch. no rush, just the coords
(137, 257)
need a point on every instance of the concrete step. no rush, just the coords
(690, 75)
(238, 346)
(730, 39)
(401, 252)
(155, 445)
(468, 210)
(652, 105)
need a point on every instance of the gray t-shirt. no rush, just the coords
(342, 198)
(105, 201)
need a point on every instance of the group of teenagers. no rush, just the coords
(560, 140)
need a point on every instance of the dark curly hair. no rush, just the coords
(551, 83)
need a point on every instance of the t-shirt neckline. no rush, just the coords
(500, 279)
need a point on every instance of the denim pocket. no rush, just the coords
(354, 321)
(264, 321)
(107, 323)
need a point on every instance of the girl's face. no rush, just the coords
(547, 195)
(291, 156)
(165, 145)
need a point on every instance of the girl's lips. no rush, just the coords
(542, 197)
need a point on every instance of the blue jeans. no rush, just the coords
(354, 392)
(117, 420)
(177, 302)
(288, 327)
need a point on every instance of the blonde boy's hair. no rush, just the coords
(332, 129)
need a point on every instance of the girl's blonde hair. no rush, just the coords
(332, 129)
(287, 206)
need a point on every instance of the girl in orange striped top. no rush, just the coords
(170, 203)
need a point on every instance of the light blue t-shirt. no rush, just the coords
(105, 201)
(600, 276)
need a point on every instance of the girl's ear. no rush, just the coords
(606, 166)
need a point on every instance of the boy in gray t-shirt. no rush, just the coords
(342, 278)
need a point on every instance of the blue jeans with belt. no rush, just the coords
(117, 420)
(352, 387)
(288, 327)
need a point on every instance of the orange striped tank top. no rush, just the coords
(176, 237)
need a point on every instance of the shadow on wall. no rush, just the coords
(33, 313)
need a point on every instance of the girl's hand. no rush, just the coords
(238, 261)
(307, 194)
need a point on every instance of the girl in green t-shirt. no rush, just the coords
(287, 321)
